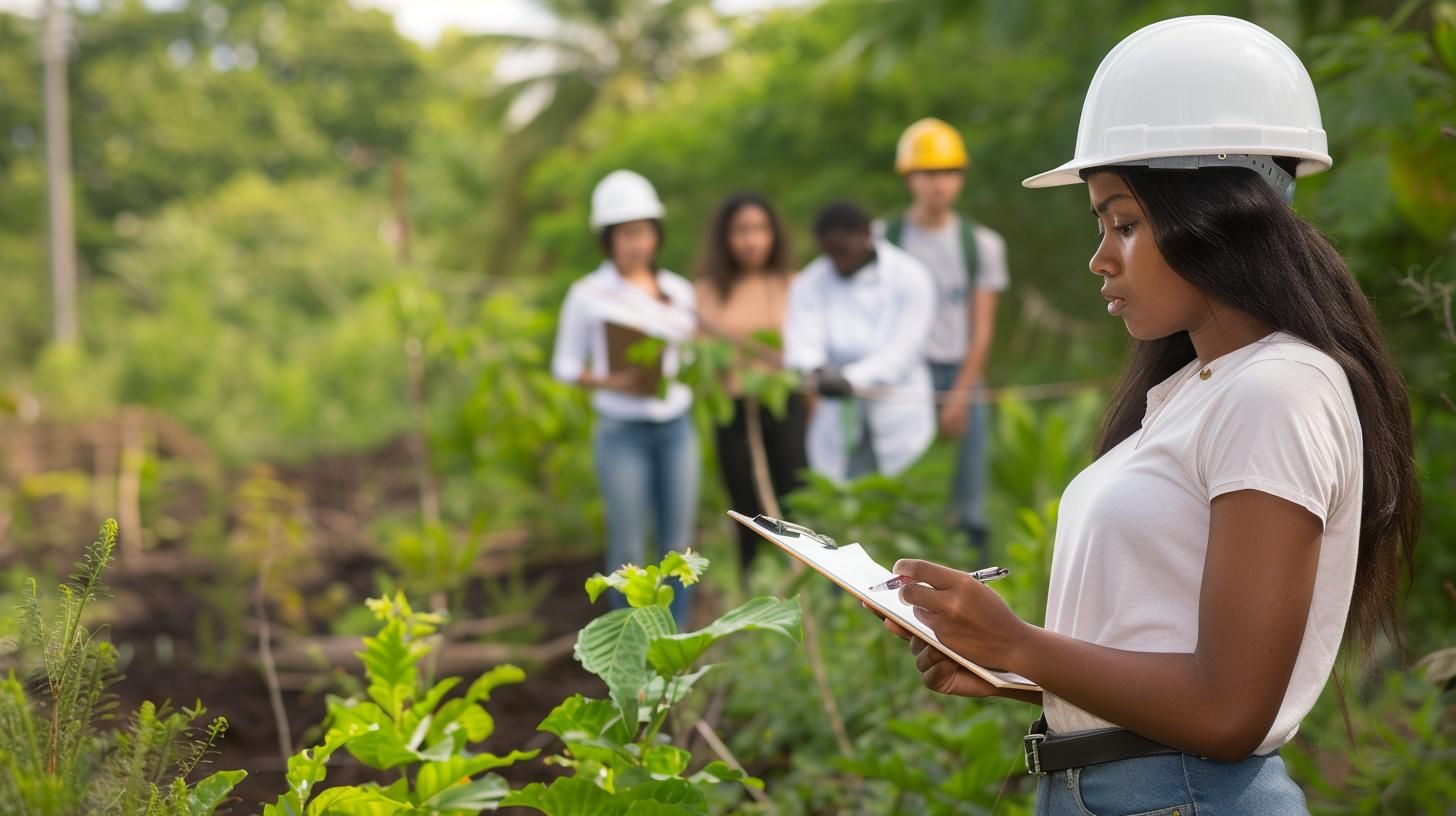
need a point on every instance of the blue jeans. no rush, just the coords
(971, 481)
(1174, 784)
(649, 474)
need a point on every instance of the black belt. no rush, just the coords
(1046, 753)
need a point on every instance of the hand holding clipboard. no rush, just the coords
(855, 572)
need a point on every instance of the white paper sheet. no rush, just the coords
(854, 570)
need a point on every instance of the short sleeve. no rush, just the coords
(993, 275)
(1282, 428)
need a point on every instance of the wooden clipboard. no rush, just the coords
(851, 568)
(620, 340)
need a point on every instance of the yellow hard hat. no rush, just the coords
(930, 144)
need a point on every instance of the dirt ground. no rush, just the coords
(157, 599)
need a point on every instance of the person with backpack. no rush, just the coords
(968, 262)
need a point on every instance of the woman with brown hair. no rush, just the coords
(742, 292)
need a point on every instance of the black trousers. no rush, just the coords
(784, 442)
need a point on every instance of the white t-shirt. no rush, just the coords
(1275, 416)
(581, 337)
(942, 251)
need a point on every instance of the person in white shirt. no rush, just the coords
(857, 320)
(644, 444)
(968, 263)
(1254, 500)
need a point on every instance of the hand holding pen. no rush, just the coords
(982, 575)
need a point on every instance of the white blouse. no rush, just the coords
(581, 338)
(1275, 416)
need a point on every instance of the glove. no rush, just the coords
(832, 384)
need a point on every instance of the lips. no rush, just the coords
(1115, 304)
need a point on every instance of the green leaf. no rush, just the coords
(718, 771)
(595, 586)
(665, 761)
(482, 794)
(569, 796)
(209, 793)
(687, 566)
(428, 703)
(354, 801)
(502, 675)
(668, 792)
(579, 718)
(673, 654)
(614, 648)
(381, 749)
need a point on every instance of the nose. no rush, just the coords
(1103, 263)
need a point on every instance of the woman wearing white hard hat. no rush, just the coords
(1254, 498)
(644, 444)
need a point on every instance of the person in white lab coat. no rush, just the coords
(857, 322)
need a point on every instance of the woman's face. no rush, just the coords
(634, 245)
(1152, 300)
(750, 237)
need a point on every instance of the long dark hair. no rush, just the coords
(716, 263)
(1226, 232)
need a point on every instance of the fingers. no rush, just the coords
(921, 595)
(926, 572)
(899, 631)
(928, 658)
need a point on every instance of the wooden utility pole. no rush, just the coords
(58, 172)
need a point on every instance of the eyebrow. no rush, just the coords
(1107, 202)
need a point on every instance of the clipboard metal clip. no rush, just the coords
(788, 529)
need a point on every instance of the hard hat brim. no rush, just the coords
(1310, 162)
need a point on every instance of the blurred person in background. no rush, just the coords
(858, 318)
(743, 279)
(644, 445)
(968, 264)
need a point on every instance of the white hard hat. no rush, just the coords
(621, 197)
(1195, 92)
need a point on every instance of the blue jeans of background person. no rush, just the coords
(972, 479)
(1173, 784)
(649, 473)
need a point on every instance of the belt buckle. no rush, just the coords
(1031, 752)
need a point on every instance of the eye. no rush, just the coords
(1125, 230)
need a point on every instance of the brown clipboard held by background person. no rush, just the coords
(851, 568)
(620, 340)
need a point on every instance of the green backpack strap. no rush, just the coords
(894, 230)
(970, 253)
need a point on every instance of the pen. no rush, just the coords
(982, 575)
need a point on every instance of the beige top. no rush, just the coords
(756, 303)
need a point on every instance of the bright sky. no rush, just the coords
(424, 20)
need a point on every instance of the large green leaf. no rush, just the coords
(579, 717)
(614, 647)
(568, 796)
(672, 654)
(354, 801)
(671, 793)
(210, 792)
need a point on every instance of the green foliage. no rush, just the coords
(1404, 743)
(404, 723)
(622, 762)
(54, 761)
